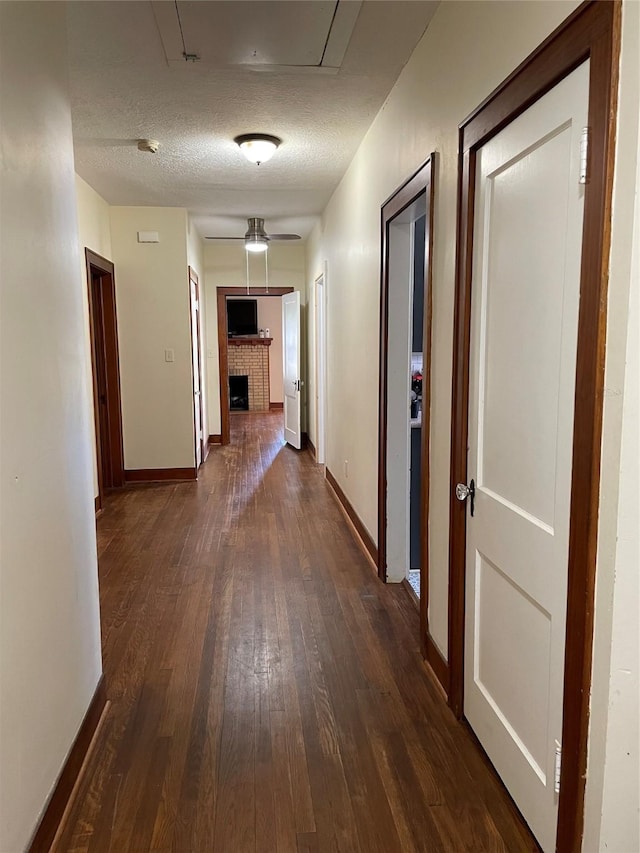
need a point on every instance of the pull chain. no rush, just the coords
(247, 257)
(266, 270)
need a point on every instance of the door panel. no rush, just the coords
(292, 381)
(526, 276)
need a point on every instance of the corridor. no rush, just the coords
(267, 691)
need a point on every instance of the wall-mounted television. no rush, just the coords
(242, 317)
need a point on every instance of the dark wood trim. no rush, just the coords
(276, 407)
(193, 278)
(96, 264)
(363, 538)
(311, 448)
(437, 663)
(62, 793)
(249, 342)
(591, 32)
(215, 439)
(223, 345)
(160, 475)
(420, 182)
(97, 504)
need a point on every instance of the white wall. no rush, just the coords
(49, 621)
(94, 230)
(468, 49)
(225, 266)
(152, 292)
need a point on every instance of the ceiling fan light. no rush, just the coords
(257, 147)
(256, 243)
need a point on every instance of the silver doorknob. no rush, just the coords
(462, 491)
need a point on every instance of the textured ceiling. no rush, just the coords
(314, 73)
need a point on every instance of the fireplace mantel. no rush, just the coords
(253, 341)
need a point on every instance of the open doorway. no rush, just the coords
(196, 356)
(405, 332)
(250, 347)
(320, 336)
(105, 365)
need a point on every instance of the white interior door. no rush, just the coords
(292, 380)
(526, 271)
(197, 383)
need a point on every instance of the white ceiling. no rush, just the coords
(314, 73)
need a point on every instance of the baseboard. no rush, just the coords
(311, 446)
(274, 407)
(70, 774)
(362, 536)
(159, 475)
(97, 504)
(215, 439)
(438, 664)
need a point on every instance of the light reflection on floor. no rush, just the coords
(414, 580)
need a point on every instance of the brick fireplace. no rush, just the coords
(250, 357)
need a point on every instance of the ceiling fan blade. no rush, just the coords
(224, 238)
(283, 237)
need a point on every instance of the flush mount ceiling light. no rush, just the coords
(257, 147)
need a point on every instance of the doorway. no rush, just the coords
(405, 334)
(105, 368)
(320, 334)
(196, 360)
(237, 293)
(532, 321)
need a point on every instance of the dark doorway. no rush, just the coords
(106, 374)
(239, 393)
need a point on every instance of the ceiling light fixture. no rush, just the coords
(256, 243)
(257, 147)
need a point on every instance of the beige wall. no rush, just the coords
(152, 290)
(466, 52)
(49, 621)
(94, 230)
(468, 49)
(225, 266)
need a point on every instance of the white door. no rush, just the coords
(197, 385)
(291, 355)
(526, 270)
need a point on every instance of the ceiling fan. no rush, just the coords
(256, 238)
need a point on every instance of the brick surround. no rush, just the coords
(250, 357)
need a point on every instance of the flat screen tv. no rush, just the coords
(242, 317)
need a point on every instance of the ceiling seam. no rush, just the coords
(326, 41)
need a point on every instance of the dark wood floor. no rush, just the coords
(267, 690)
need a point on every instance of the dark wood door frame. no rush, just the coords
(591, 32)
(204, 443)
(223, 349)
(421, 182)
(101, 287)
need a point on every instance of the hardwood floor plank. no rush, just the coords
(267, 691)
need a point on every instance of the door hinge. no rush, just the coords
(558, 768)
(584, 156)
